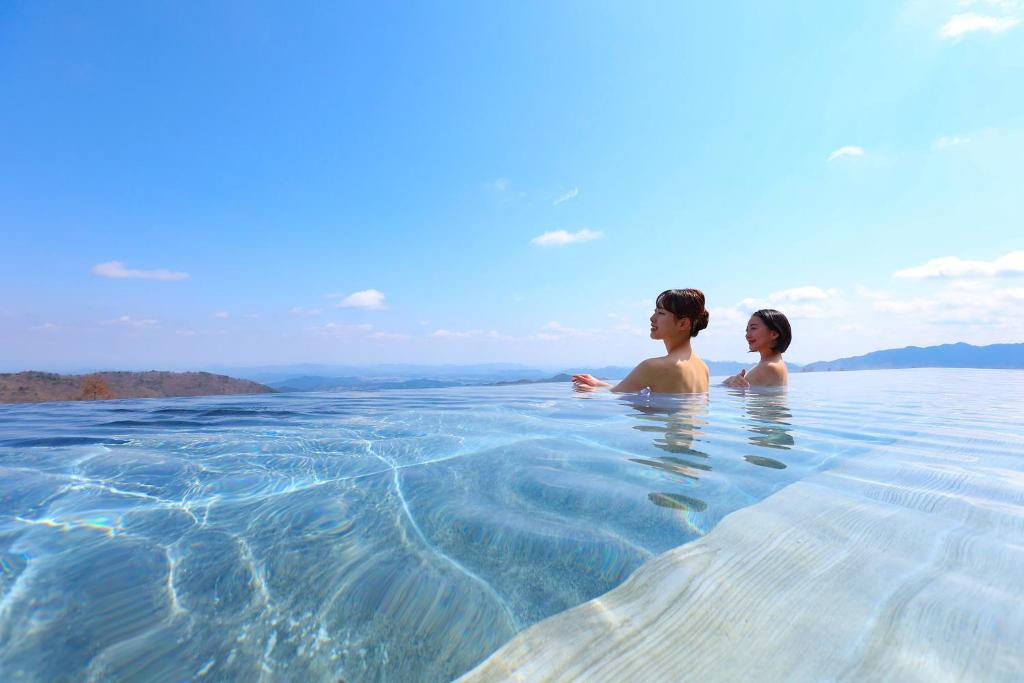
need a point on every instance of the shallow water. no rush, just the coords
(396, 535)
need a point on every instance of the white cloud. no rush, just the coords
(873, 294)
(802, 294)
(500, 184)
(917, 305)
(455, 334)
(960, 25)
(555, 327)
(389, 335)
(954, 267)
(369, 299)
(560, 238)
(340, 330)
(299, 310)
(950, 141)
(117, 270)
(846, 151)
(48, 327)
(798, 302)
(221, 314)
(566, 196)
(129, 321)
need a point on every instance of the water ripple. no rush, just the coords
(406, 535)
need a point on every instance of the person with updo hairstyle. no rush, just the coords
(769, 334)
(679, 315)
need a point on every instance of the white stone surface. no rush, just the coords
(895, 565)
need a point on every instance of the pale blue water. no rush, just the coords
(395, 535)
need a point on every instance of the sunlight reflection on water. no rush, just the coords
(371, 536)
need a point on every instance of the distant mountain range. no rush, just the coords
(373, 378)
(1001, 356)
(34, 387)
(41, 386)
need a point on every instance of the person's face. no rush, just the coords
(759, 337)
(664, 324)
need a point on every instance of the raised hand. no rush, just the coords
(738, 381)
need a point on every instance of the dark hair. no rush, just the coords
(776, 322)
(685, 303)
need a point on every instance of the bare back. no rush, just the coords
(671, 374)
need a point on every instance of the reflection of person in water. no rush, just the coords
(769, 423)
(676, 424)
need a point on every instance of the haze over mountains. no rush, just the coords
(960, 355)
(41, 386)
(402, 376)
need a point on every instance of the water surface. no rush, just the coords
(399, 535)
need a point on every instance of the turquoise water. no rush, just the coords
(396, 535)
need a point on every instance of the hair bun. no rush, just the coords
(685, 303)
(703, 320)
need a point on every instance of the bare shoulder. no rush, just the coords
(639, 377)
(770, 373)
(655, 363)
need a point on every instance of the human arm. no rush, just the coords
(639, 378)
(584, 382)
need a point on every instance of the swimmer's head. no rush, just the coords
(685, 303)
(779, 324)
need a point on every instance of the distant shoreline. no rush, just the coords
(46, 387)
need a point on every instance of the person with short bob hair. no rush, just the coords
(769, 334)
(679, 315)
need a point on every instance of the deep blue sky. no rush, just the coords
(285, 157)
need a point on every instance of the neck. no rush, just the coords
(676, 345)
(768, 354)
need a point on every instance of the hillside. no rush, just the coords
(34, 387)
(960, 355)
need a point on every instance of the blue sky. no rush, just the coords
(249, 183)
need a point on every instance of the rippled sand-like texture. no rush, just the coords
(903, 564)
(397, 536)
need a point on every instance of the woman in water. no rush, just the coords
(769, 334)
(679, 314)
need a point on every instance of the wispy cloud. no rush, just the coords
(117, 270)
(342, 330)
(798, 294)
(954, 267)
(797, 302)
(846, 151)
(299, 310)
(48, 327)
(557, 329)
(221, 314)
(129, 321)
(455, 334)
(560, 238)
(500, 184)
(960, 25)
(369, 299)
(950, 141)
(566, 196)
